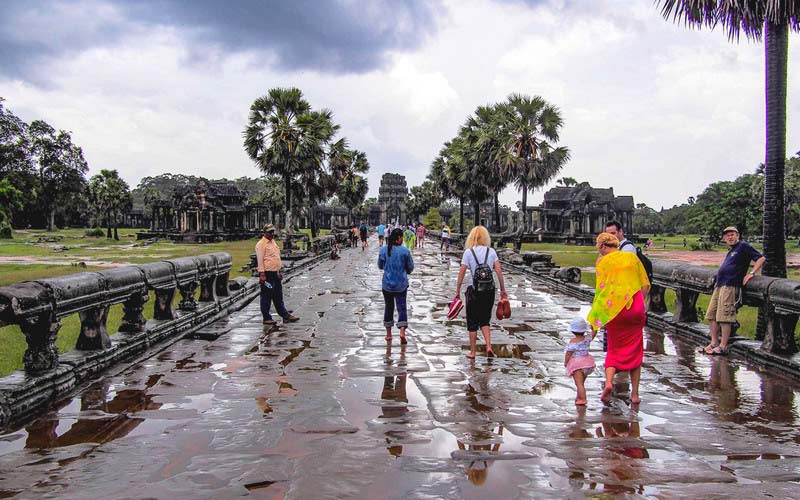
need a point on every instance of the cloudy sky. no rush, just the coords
(147, 87)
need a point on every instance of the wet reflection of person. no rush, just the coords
(722, 383)
(478, 470)
(394, 389)
(624, 430)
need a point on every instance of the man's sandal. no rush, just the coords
(709, 348)
(719, 351)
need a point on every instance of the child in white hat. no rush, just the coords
(577, 360)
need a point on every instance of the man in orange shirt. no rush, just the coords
(268, 256)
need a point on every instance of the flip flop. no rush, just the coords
(707, 349)
(719, 351)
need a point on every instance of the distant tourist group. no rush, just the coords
(622, 287)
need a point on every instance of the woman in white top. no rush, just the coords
(479, 255)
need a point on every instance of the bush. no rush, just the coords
(432, 219)
(694, 246)
(97, 232)
(5, 233)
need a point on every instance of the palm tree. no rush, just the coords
(773, 18)
(110, 195)
(316, 176)
(532, 127)
(483, 133)
(455, 176)
(274, 136)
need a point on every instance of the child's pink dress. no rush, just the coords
(581, 359)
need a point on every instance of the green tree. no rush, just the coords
(532, 130)
(60, 168)
(271, 193)
(773, 19)
(110, 195)
(353, 192)
(647, 220)
(16, 163)
(724, 204)
(274, 137)
(11, 199)
(567, 181)
(432, 219)
(422, 198)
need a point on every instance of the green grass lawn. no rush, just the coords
(81, 248)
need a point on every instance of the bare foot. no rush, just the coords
(606, 396)
(635, 400)
(489, 353)
(580, 402)
(471, 355)
(389, 338)
(403, 339)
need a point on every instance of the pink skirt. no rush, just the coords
(585, 363)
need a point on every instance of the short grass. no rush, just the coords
(80, 248)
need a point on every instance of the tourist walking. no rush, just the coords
(353, 236)
(577, 360)
(381, 229)
(363, 231)
(409, 237)
(268, 257)
(732, 275)
(445, 238)
(421, 235)
(620, 295)
(481, 259)
(396, 263)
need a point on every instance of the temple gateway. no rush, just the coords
(208, 212)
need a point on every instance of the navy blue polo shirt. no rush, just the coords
(736, 263)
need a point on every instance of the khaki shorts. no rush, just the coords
(722, 307)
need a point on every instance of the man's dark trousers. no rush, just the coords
(272, 291)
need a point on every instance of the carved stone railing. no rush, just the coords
(39, 306)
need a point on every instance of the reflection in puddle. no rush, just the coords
(515, 351)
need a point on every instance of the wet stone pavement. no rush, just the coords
(324, 408)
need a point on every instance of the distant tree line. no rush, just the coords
(738, 202)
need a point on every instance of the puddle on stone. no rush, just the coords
(515, 351)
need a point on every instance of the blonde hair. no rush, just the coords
(479, 236)
(607, 240)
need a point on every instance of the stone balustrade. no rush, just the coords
(39, 306)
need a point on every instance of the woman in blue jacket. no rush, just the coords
(396, 263)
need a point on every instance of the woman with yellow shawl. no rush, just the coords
(620, 294)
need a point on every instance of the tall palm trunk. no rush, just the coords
(461, 215)
(108, 224)
(476, 213)
(776, 50)
(313, 221)
(51, 219)
(287, 183)
(497, 211)
(116, 225)
(524, 207)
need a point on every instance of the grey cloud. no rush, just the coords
(329, 36)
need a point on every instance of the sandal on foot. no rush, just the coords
(719, 351)
(710, 347)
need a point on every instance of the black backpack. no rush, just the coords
(648, 266)
(482, 278)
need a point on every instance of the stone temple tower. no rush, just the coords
(392, 198)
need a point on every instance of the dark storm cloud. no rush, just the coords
(329, 36)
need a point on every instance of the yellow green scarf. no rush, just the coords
(619, 276)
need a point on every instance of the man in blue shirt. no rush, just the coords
(381, 229)
(731, 277)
